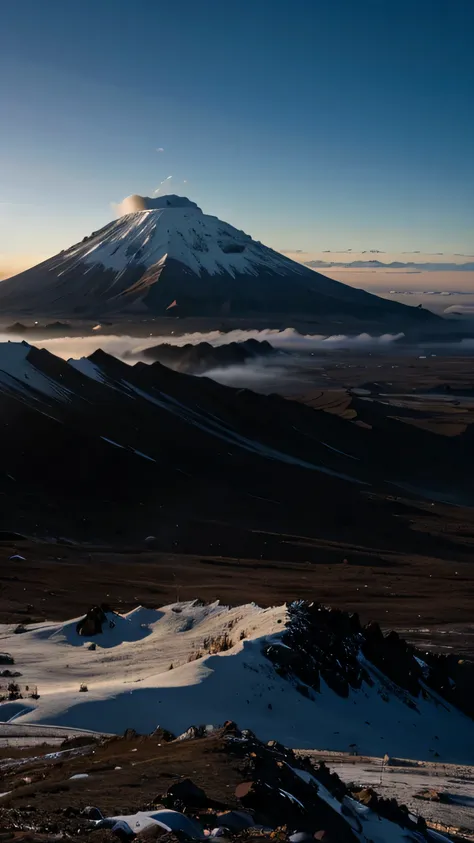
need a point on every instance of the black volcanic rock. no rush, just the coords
(323, 643)
(92, 622)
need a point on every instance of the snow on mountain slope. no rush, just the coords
(170, 254)
(170, 667)
(18, 374)
(180, 231)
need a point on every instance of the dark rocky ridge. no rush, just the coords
(323, 643)
(151, 438)
(199, 358)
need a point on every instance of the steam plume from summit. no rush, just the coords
(134, 203)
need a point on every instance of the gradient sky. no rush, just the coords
(312, 124)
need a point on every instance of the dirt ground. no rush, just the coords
(58, 582)
(128, 773)
(121, 775)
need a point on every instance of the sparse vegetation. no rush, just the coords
(14, 691)
(211, 646)
(195, 655)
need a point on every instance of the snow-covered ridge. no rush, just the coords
(190, 662)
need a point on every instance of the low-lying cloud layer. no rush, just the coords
(289, 373)
(124, 346)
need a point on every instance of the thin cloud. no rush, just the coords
(333, 251)
(160, 149)
(461, 308)
(155, 192)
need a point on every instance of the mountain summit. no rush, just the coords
(166, 254)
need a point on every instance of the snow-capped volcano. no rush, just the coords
(170, 254)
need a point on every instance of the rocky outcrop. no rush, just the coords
(323, 643)
(92, 622)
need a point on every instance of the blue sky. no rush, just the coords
(312, 124)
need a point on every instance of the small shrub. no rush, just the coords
(14, 691)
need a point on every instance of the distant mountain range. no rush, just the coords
(376, 264)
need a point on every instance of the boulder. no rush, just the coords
(185, 796)
(92, 813)
(92, 622)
